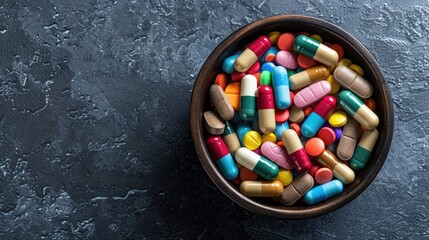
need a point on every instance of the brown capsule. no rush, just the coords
(299, 186)
(341, 171)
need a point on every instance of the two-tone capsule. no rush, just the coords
(307, 77)
(228, 63)
(358, 110)
(256, 163)
(281, 87)
(318, 117)
(261, 188)
(323, 192)
(297, 154)
(252, 53)
(266, 112)
(315, 50)
(230, 138)
(299, 186)
(341, 171)
(352, 81)
(222, 157)
(364, 149)
(248, 97)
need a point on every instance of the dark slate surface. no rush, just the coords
(95, 141)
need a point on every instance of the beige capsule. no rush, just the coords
(299, 186)
(326, 55)
(267, 120)
(213, 123)
(221, 102)
(347, 143)
(305, 78)
(261, 188)
(348, 79)
(296, 114)
(341, 171)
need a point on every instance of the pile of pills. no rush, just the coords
(291, 119)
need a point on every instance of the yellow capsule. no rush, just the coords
(355, 68)
(338, 119)
(335, 87)
(269, 137)
(261, 188)
(285, 177)
(252, 140)
(317, 38)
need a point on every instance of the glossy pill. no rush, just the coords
(314, 146)
(338, 119)
(276, 154)
(364, 149)
(315, 50)
(258, 164)
(232, 92)
(359, 111)
(341, 171)
(228, 63)
(327, 135)
(323, 192)
(299, 186)
(281, 87)
(305, 78)
(242, 129)
(252, 140)
(222, 157)
(352, 81)
(221, 102)
(285, 177)
(266, 112)
(213, 123)
(265, 78)
(296, 152)
(269, 137)
(248, 97)
(252, 53)
(347, 143)
(280, 128)
(323, 175)
(318, 117)
(261, 188)
(286, 59)
(312, 94)
(230, 138)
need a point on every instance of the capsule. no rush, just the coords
(352, 81)
(252, 53)
(230, 138)
(307, 77)
(315, 50)
(299, 186)
(323, 192)
(258, 164)
(221, 102)
(318, 117)
(281, 87)
(297, 154)
(280, 128)
(261, 188)
(248, 97)
(363, 149)
(222, 157)
(346, 146)
(341, 171)
(266, 113)
(359, 111)
(228, 63)
(242, 129)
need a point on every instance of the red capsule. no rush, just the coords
(266, 112)
(326, 106)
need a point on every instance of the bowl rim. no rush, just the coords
(224, 185)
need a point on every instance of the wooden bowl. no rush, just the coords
(353, 50)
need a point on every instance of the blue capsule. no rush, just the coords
(228, 63)
(281, 87)
(268, 66)
(242, 129)
(280, 128)
(323, 192)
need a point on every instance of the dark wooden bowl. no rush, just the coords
(353, 50)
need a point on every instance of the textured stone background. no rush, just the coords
(94, 129)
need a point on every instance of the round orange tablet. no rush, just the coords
(314, 146)
(305, 62)
(323, 175)
(285, 41)
(296, 128)
(280, 144)
(307, 111)
(270, 58)
(339, 50)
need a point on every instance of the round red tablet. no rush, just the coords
(282, 115)
(296, 128)
(285, 41)
(337, 48)
(323, 175)
(314, 146)
(305, 62)
(327, 135)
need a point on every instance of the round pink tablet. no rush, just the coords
(276, 154)
(323, 175)
(286, 59)
(327, 135)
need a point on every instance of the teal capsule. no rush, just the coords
(249, 86)
(323, 192)
(316, 50)
(358, 110)
(364, 149)
(228, 63)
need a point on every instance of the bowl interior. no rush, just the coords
(352, 50)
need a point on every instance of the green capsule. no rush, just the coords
(364, 149)
(315, 50)
(359, 111)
